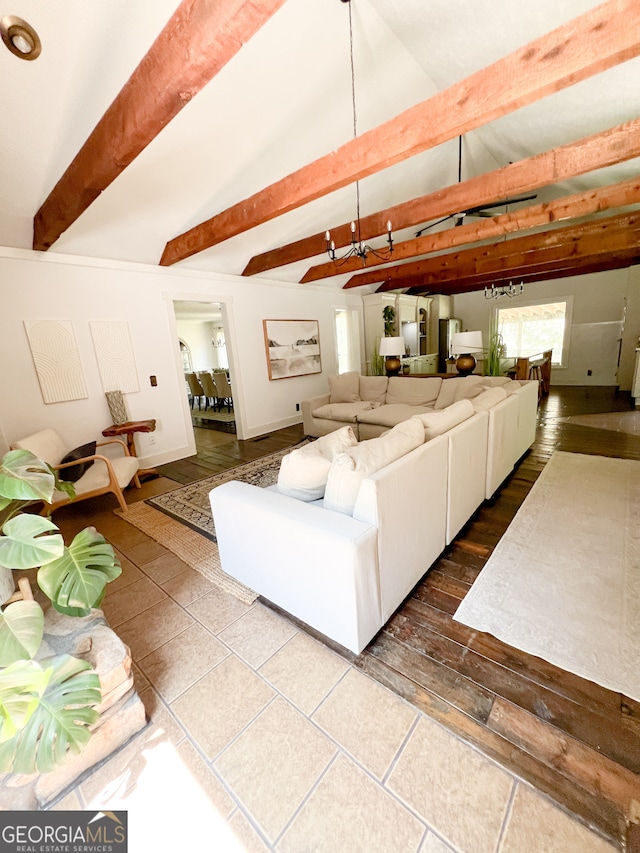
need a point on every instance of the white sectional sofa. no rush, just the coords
(343, 562)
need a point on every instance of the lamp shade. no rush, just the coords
(466, 342)
(392, 346)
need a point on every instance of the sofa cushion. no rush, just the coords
(303, 472)
(488, 399)
(492, 381)
(344, 387)
(346, 412)
(391, 414)
(349, 469)
(373, 388)
(437, 423)
(459, 388)
(413, 391)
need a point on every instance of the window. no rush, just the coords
(346, 331)
(533, 328)
(185, 354)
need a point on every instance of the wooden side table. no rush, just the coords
(129, 429)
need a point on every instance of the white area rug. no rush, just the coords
(563, 583)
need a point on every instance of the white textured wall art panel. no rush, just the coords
(116, 363)
(56, 359)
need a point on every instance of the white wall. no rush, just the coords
(599, 301)
(49, 286)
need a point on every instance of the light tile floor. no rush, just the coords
(261, 738)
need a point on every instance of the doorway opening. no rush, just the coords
(205, 360)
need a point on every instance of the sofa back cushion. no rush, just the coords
(414, 391)
(344, 387)
(373, 388)
(437, 423)
(350, 468)
(303, 472)
(489, 398)
(459, 388)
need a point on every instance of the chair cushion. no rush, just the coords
(346, 412)
(303, 472)
(437, 423)
(350, 468)
(72, 474)
(344, 387)
(413, 391)
(46, 445)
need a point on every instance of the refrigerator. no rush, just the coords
(446, 329)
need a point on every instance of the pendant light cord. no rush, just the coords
(355, 114)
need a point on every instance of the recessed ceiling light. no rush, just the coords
(20, 37)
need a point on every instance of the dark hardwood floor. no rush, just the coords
(571, 739)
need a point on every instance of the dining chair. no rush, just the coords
(195, 388)
(225, 394)
(210, 389)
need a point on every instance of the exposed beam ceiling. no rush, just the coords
(568, 248)
(207, 33)
(591, 43)
(620, 260)
(624, 194)
(568, 161)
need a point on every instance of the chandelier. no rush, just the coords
(497, 291)
(357, 248)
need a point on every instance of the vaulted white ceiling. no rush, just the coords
(283, 101)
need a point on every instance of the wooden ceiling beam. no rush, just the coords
(562, 269)
(510, 260)
(471, 258)
(601, 38)
(612, 146)
(199, 39)
(574, 206)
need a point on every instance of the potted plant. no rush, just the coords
(389, 318)
(495, 352)
(47, 704)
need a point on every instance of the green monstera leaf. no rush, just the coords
(25, 477)
(21, 687)
(76, 581)
(28, 542)
(21, 630)
(46, 709)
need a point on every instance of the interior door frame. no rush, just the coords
(225, 301)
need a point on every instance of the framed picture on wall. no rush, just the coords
(293, 347)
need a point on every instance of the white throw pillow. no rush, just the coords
(489, 398)
(349, 469)
(303, 472)
(437, 423)
(344, 387)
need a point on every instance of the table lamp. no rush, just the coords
(464, 344)
(392, 348)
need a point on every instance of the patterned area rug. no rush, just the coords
(190, 504)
